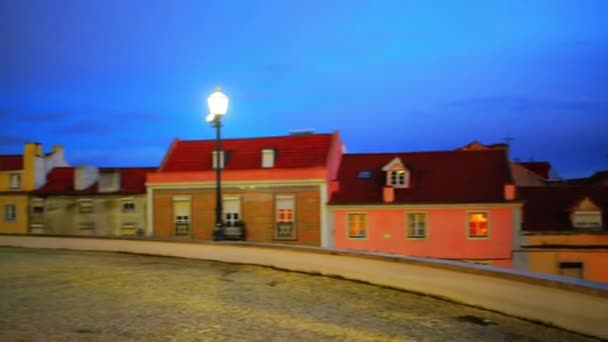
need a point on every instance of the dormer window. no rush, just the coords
(268, 158)
(397, 175)
(214, 159)
(109, 181)
(586, 215)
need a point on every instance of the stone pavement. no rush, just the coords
(58, 295)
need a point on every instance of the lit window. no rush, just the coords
(10, 212)
(15, 181)
(416, 225)
(357, 226)
(285, 222)
(478, 225)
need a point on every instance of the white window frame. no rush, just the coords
(130, 227)
(229, 218)
(268, 158)
(596, 214)
(409, 222)
(214, 159)
(182, 219)
(285, 202)
(15, 181)
(125, 203)
(10, 212)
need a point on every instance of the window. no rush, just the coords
(232, 210)
(181, 214)
(128, 206)
(86, 227)
(15, 181)
(571, 269)
(364, 175)
(268, 158)
(478, 225)
(587, 219)
(128, 229)
(109, 181)
(357, 226)
(416, 225)
(214, 159)
(10, 212)
(85, 206)
(397, 178)
(38, 210)
(285, 221)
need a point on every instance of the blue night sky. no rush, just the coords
(116, 81)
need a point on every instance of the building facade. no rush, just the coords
(276, 187)
(91, 201)
(20, 174)
(457, 205)
(565, 230)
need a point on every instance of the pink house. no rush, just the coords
(455, 205)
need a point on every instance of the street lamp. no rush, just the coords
(218, 105)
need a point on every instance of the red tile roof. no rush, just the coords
(540, 168)
(435, 177)
(11, 162)
(293, 151)
(548, 208)
(61, 181)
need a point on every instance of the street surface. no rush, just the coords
(58, 295)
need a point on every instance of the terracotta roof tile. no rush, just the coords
(548, 208)
(295, 151)
(11, 162)
(61, 181)
(435, 177)
(540, 168)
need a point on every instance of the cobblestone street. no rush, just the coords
(51, 295)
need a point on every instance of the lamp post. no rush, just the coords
(218, 105)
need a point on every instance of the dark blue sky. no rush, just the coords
(116, 81)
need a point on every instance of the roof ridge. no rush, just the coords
(419, 152)
(259, 138)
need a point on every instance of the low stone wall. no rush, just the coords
(571, 304)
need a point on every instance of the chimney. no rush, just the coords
(388, 194)
(57, 148)
(509, 192)
(85, 176)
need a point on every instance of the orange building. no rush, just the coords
(565, 230)
(277, 187)
(452, 205)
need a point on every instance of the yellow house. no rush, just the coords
(20, 174)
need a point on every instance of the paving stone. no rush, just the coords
(58, 295)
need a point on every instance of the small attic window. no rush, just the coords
(268, 158)
(366, 174)
(214, 159)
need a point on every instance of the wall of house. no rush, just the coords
(62, 215)
(20, 224)
(446, 234)
(587, 248)
(257, 212)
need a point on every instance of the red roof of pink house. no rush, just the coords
(435, 177)
(548, 208)
(292, 151)
(11, 162)
(61, 181)
(540, 168)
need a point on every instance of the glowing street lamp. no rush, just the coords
(218, 106)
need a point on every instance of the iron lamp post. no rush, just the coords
(218, 106)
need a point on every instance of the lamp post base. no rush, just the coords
(218, 233)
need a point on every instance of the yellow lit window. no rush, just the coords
(357, 226)
(478, 224)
